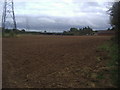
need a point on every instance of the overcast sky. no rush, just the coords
(61, 15)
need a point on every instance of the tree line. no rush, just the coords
(72, 31)
(80, 31)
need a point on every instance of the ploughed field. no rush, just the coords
(53, 62)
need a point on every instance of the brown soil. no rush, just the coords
(53, 62)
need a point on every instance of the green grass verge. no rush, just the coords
(112, 49)
(8, 35)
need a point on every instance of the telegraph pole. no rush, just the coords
(8, 16)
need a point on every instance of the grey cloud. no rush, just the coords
(90, 7)
(91, 4)
(60, 24)
(94, 17)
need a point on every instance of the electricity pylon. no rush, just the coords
(8, 17)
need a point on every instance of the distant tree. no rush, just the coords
(45, 31)
(108, 29)
(80, 31)
(113, 28)
(23, 30)
(73, 29)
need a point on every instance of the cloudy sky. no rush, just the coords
(61, 15)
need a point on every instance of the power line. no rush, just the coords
(8, 16)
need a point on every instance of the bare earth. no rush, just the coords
(53, 62)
